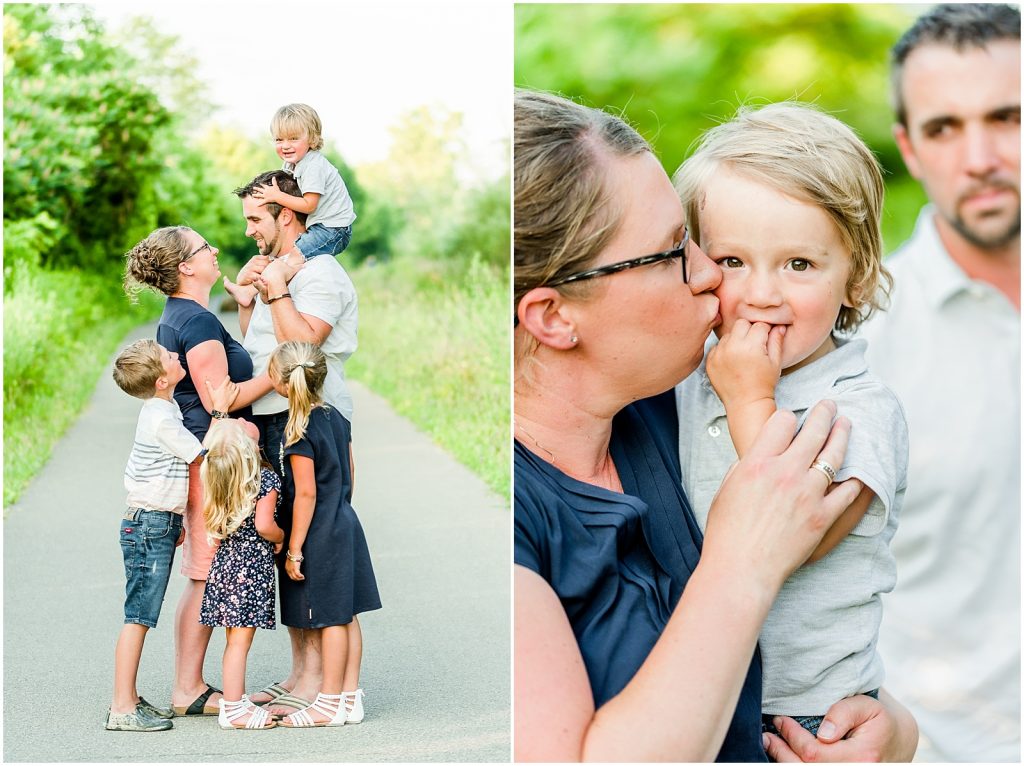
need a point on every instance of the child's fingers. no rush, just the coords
(775, 336)
(758, 335)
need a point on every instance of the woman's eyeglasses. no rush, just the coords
(614, 268)
(197, 251)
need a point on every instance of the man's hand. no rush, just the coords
(279, 273)
(746, 363)
(251, 270)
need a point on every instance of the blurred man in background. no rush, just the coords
(950, 347)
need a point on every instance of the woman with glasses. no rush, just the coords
(179, 263)
(636, 639)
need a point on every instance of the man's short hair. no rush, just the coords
(285, 182)
(955, 25)
(138, 367)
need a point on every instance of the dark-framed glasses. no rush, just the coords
(614, 268)
(197, 251)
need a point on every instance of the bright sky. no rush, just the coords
(360, 65)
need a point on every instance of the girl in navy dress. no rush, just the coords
(327, 576)
(239, 500)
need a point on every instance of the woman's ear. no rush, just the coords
(544, 313)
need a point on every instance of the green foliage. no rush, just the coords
(438, 351)
(676, 70)
(60, 329)
(89, 142)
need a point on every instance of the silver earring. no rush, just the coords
(574, 339)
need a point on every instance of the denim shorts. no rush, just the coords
(809, 722)
(323, 240)
(148, 540)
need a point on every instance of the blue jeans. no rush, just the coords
(322, 240)
(809, 722)
(148, 541)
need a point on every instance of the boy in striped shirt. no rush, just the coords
(156, 479)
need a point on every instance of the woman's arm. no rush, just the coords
(858, 729)
(265, 524)
(769, 514)
(209, 361)
(302, 511)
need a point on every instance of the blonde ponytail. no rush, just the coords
(303, 368)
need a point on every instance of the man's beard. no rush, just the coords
(988, 240)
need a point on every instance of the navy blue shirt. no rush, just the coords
(183, 326)
(619, 562)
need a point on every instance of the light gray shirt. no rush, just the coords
(818, 642)
(315, 174)
(321, 289)
(950, 348)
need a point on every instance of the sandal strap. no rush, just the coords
(327, 704)
(301, 719)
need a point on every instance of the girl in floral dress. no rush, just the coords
(239, 503)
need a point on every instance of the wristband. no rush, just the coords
(218, 414)
(293, 558)
(278, 297)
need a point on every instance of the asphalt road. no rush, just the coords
(436, 663)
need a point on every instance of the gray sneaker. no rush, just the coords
(139, 720)
(153, 711)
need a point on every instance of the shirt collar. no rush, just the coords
(155, 402)
(938, 274)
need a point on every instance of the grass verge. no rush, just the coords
(434, 343)
(60, 329)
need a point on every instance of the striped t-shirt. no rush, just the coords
(156, 476)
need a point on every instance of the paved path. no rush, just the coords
(436, 665)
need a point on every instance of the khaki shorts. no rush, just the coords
(196, 553)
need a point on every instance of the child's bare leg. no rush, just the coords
(236, 651)
(243, 294)
(308, 683)
(127, 655)
(335, 653)
(355, 655)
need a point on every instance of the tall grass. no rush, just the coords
(60, 328)
(434, 342)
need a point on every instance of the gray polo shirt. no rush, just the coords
(818, 643)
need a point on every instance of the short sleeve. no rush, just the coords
(878, 450)
(202, 327)
(269, 482)
(322, 298)
(302, 447)
(172, 435)
(526, 552)
(314, 176)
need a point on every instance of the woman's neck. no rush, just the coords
(195, 293)
(565, 433)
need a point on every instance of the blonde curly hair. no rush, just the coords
(231, 477)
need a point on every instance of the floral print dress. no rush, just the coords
(240, 588)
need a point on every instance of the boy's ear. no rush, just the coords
(162, 383)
